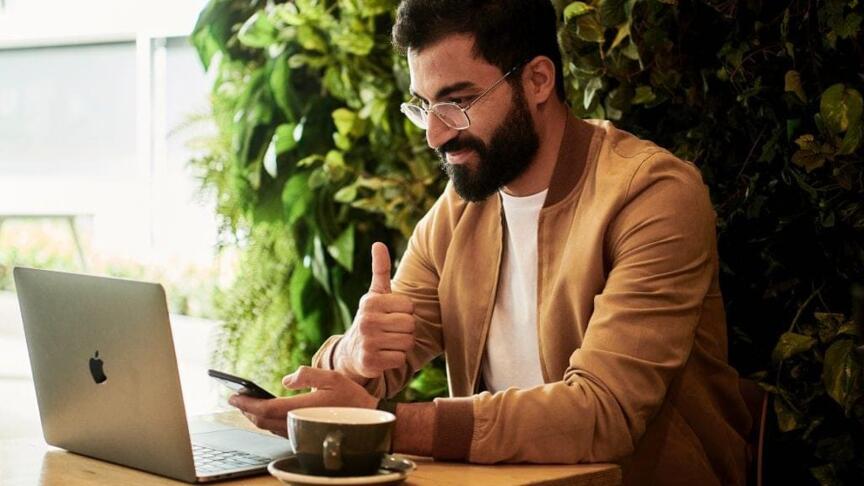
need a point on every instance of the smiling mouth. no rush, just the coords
(458, 157)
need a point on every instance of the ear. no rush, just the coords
(538, 80)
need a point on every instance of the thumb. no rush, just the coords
(308, 377)
(380, 269)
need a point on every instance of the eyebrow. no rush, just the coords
(446, 90)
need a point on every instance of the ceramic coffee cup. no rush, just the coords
(340, 441)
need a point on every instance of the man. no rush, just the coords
(568, 273)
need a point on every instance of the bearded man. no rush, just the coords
(568, 273)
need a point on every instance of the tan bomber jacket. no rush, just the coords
(631, 327)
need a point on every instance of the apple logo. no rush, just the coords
(96, 369)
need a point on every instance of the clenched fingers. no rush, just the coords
(374, 324)
(387, 303)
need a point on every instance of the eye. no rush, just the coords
(461, 100)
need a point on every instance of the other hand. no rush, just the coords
(331, 389)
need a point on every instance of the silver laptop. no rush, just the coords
(107, 382)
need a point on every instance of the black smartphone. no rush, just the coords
(241, 385)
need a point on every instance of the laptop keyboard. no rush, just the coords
(209, 461)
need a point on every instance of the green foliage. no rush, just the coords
(764, 96)
(313, 162)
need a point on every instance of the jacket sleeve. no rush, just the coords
(417, 277)
(662, 253)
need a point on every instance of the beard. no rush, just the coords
(509, 153)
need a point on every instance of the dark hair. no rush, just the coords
(506, 32)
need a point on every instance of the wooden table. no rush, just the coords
(25, 462)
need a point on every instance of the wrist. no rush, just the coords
(414, 430)
(340, 361)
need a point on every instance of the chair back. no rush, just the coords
(756, 399)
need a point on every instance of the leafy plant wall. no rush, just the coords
(314, 161)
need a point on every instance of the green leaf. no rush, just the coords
(296, 197)
(623, 33)
(334, 165)
(849, 27)
(590, 90)
(309, 328)
(342, 142)
(269, 162)
(429, 383)
(631, 51)
(283, 91)
(258, 31)
(342, 250)
(852, 139)
(826, 475)
(787, 418)
(841, 373)
(310, 160)
(214, 29)
(206, 46)
(612, 12)
(298, 130)
(840, 107)
(343, 313)
(287, 13)
(284, 138)
(589, 29)
(344, 120)
(317, 179)
(790, 344)
(357, 43)
(827, 324)
(347, 194)
(311, 39)
(299, 290)
(319, 264)
(808, 159)
(644, 95)
(792, 84)
(575, 10)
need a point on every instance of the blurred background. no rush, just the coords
(101, 102)
(97, 106)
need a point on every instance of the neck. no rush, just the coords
(550, 128)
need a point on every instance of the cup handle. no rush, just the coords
(333, 451)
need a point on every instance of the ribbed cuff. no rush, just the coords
(454, 428)
(324, 357)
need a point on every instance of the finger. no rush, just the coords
(260, 407)
(380, 269)
(277, 426)
(307, 377)
(374, 325)
(245, 403)
(396, 342)
(388, 303)
(386, 360)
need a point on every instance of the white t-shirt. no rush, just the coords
(512, 356)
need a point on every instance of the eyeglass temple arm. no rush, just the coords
(496, 83)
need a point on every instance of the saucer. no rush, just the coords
(288, 471)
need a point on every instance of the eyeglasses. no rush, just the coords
(451, 114)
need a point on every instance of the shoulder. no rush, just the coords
(627, 164)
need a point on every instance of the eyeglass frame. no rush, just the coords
(465, 109)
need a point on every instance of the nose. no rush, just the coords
(437, 133)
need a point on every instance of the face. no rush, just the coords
(501, 141)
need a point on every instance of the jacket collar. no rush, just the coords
(572, 158)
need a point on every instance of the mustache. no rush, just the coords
(459, 143)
